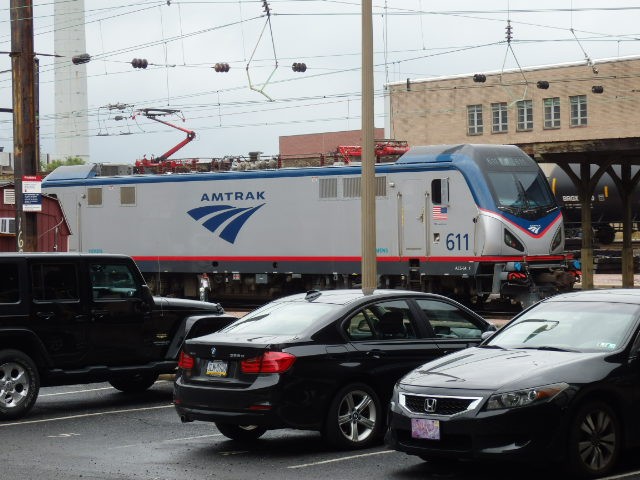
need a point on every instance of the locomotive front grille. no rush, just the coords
(438, 404)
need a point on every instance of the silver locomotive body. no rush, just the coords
(441, 226)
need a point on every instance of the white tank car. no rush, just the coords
(464, 220)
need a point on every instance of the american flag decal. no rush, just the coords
(440, 213)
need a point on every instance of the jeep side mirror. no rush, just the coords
(147, 297)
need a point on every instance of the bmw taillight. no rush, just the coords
(186, 361)
(269, 362)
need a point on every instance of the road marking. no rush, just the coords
(84, 415)
(341, 459)
(64, 435)
(75, 391)
(193, 438)
(196, 437)
(85, 391)
(624, 475)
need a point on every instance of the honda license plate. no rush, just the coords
(425, 428)
(216, 368)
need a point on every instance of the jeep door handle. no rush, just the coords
(99, 314)
(45, 315)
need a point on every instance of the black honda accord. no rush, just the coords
(323, 361)
(560, 381)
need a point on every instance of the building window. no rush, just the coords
(500, 122)
(474, 114)
(578, 110)
(9, 196)
(525, 115)
(552, 112)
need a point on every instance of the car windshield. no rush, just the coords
(282, 318)
(570, 326)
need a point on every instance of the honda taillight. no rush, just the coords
(269, 362)
(186, 361)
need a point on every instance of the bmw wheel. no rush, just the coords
(595, 440)
(19, 384)
(355, 417)
(241, 433)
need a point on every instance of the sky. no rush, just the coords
(261, 98)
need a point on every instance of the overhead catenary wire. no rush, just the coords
(397, 59)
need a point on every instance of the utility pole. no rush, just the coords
(25, 144)
(368, 199)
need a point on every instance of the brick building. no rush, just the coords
(577, 102)
(315, 148)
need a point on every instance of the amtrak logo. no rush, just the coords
(535, 228)
(225, 217)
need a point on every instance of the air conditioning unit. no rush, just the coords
(8, 225)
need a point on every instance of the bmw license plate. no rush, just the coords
(425, 428)
(216, 368)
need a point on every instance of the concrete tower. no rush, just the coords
(71, 107)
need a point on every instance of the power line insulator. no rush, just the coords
(542, 84)
(299, 67)
(597, 89)
(139, 63)
(80, 59)
(479, 78)
(221, 67)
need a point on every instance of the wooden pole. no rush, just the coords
(25, 145)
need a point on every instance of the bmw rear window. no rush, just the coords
(283, 318)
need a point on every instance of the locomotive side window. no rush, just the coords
(436, 192)
(440, 191)
(94, 196)
(127, 195)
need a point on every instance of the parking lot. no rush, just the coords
(94, 432)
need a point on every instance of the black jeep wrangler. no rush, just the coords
(70, 318)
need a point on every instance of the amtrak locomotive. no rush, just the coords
(468, 221)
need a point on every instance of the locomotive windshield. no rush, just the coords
(517, 190)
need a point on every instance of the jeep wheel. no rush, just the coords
(19, 384)
(136, 383)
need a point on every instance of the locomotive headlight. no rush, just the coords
(511, 241)
(557, 240)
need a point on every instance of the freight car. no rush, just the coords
(468, 221)
(606, 204)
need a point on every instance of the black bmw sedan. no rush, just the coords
(323, 361)
(560, 381)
